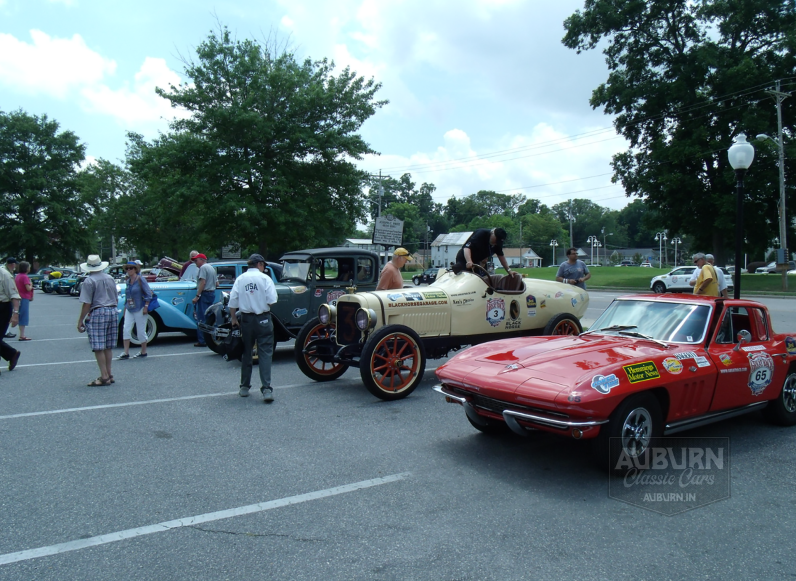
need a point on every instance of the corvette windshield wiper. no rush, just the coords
(641, 336)
(611, 328)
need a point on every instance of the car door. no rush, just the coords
(746, 372)
(678, 279)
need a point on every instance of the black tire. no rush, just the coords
(59, 290)
(215, 345)
(563, 324)
(659, 288)
(416, 280)
(47, 289)
(153, 326)
(392, 362)
(782, 411)
(311, 366)
(490, 427)
(633, 428)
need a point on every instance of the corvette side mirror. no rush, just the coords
(744, 336)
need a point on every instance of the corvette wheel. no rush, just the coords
(659, 288)
(392, 362)
(782, 411)
(310, 364)
(563, 324)
(633, 428)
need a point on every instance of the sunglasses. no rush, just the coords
(130, 268)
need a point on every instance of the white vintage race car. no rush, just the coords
(390, 334)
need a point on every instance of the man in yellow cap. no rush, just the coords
(390, 277)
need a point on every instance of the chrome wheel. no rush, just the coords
(789, 394)
(636, 432)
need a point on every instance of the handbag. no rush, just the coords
(153, 303)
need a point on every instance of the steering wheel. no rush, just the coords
(485, 276)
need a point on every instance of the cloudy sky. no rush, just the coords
(482, 93)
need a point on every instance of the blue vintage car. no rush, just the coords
(176, 311)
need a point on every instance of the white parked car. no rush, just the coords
(676, 281)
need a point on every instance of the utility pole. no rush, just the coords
(521, 264)
(779, 96)
(571, 237)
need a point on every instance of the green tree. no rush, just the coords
(684, 78)
(44, 218)
(271, 144)
(101, 184)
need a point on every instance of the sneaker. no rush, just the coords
(268, 394)
(244, 391)
(123, 356)
(139, 355)
(12, 363)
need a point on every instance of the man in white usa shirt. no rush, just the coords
(253, 294)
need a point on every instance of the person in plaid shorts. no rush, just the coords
(98, 317)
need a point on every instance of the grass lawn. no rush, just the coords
(637, 278)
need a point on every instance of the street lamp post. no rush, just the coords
(602, 231)
(661, 237)
(592, 240)
(676, 241)
(741, 154)
(554, 243)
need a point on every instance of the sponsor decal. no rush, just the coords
(495, 311)
(725, 358)
(435, 295)
(530, 302)
(639, 372)
(702, 361)
(734, 370)
(511, 325)
(416, 304)
(761, 372)
(514, 310)
(574, 302)
(672, 365)
(462, 302)
(298, 313)
(463, 294)
(542, 304)
(394, 296)
(753, 348)
(332, 296)
(531, 312)
(298, 290)
(413, 296)
(604, 383)
(790, 345)
(177, 301)
(318, 293)
(686, 355)
(559, 294)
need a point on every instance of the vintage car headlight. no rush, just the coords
(366, 319)
(326, 314)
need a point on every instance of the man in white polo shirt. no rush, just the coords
(253, 294)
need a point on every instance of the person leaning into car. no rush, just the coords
(573, 271)
(253, 294)
(479, 248)
(390, 277)
(707, 282)
(206, 281)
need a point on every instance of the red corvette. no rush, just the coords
(649, 366)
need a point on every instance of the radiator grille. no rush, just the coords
(347, 332)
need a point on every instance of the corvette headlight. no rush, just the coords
(366, 319)
(326, 314)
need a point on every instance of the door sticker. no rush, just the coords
(761, 372)
(495, 311)
(673, 365)
(790, 345)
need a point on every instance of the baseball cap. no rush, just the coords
(402, 252)
(202, 256)
(11, 260)
(255, 259)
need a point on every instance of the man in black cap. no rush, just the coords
(253, 294)
(480, 246)
(11, 266)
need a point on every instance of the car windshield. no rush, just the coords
(662, 321)
(295, 270)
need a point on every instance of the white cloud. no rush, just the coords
(50, 66)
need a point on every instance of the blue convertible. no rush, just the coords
(176, 311)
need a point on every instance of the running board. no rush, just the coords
(690, 423)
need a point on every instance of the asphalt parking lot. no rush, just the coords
(168, 474)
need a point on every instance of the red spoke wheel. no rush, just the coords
(563, 324)
(393, 362)
(312, 363)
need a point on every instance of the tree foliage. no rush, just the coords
(685, 77)
(43, 216)
(265, 156)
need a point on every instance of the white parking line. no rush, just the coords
(194, 520)
(94, 360)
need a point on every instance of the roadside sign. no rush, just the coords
(388, 231)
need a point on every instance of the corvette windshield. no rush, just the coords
(668, 322)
